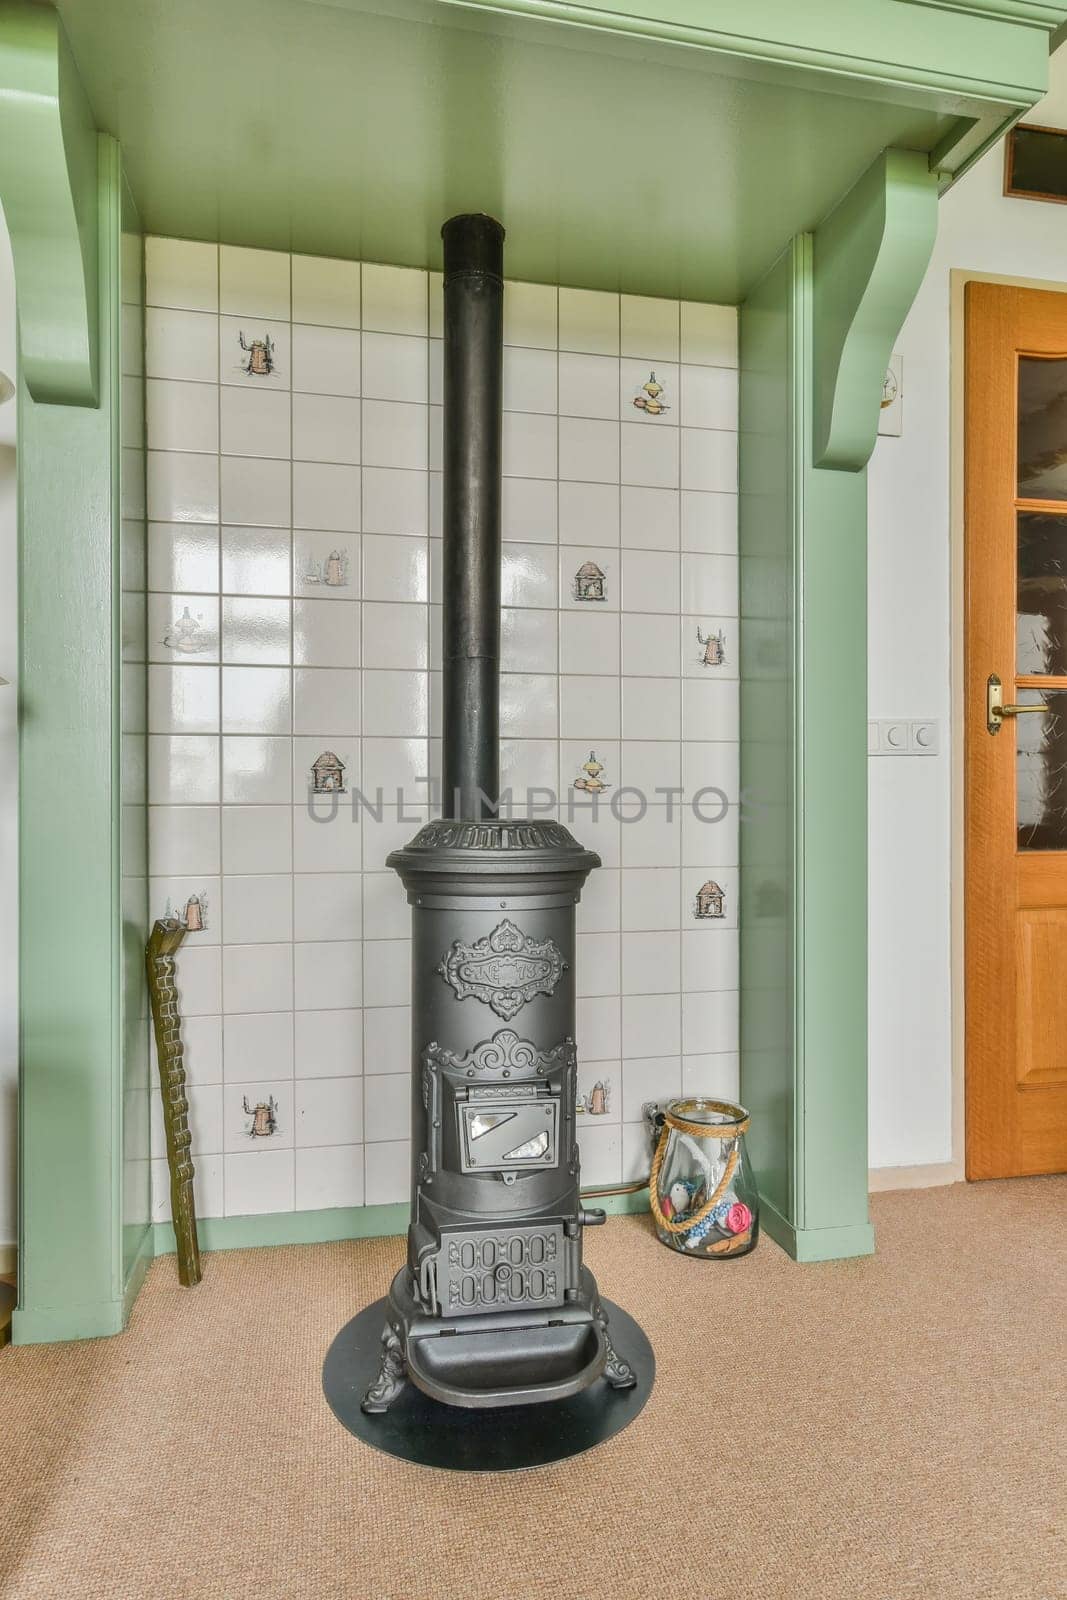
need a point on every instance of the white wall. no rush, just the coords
(8, 767)
(911, 1085)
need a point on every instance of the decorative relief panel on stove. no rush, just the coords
(505, 1053)
(504, 970)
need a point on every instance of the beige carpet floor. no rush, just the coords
(866, 1430)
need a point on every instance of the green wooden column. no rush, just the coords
(816, 336)
(80, 1260)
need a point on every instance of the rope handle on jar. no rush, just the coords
(698, 1130)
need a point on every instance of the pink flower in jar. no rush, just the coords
(738, 1218)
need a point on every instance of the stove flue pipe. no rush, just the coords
(473, 396)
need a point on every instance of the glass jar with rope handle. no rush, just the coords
(701, 1188)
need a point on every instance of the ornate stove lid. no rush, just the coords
(510, 846)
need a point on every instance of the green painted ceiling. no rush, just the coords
(328, 128)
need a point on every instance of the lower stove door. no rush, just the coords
(503, 1268)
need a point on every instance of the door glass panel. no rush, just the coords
(1042, 460)
(1041, 626)
(1041, 772)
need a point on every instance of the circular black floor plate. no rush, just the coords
(508, 1439)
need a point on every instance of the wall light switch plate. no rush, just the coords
(903, 736)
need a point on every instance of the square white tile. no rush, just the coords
(257, 838)
(388, 1172)
(257, 977)
(325, 291)
(529, 445)
(589, 321)
(177, 417)
(529, 380)
(327, 835)
(257, 909)
(328, 1110)
(325, 701)
(648, 393)
(709, 334)
(709, 460)
(588, 386)
(650, 1022)
(709, 522)
(254, 283)
(326, 360)
(588, 578)
(258, 1047)
(181, 273)
(650, 581)
(395, 501)
(182, 344)
(395, 367)
(181, 487)
(326, 428)
(256, 630)
(255, 491)
(258, 1181)
(328, 1178)
(709, 397)
(183, 557)
(589, 513)
(649, 328)
(183, 769)
(327, 905)
(256, 560)
(254, 422)
(395, 635)
(394, 299)
(650, 455)
(325, 635)
(386, 1107)
(528, 510)
(650, 645)
(183, 841)
(529, 640)
(256, 700)
(329, 1044)
(588, 450)
(528, 575)
(395, 434)
(326, 496)
(395, 703)
(589, 641)
(257, 769)
(530, 314)
(183, 699)
(328, 975)
(590, 709)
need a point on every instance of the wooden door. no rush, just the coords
(1015, 512)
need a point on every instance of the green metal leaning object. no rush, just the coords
(163, 944)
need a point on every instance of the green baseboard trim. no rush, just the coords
(60, 1324)
(289, 1227)
(817, 1244)
(618, 1205)
(326, 1227)
(146, 1250)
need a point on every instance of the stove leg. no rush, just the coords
(618, 1373)
(392, 1375)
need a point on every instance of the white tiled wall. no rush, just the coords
(294, 568)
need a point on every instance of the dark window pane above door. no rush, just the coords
(1041, 772)
(1041, 594)
(1042, 458)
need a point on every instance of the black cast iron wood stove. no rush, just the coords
(494, 1306)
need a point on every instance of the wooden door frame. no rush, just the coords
(959, 278)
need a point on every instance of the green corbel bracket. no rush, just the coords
(870, 256)
(48, 188)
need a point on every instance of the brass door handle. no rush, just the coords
(995, 708)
